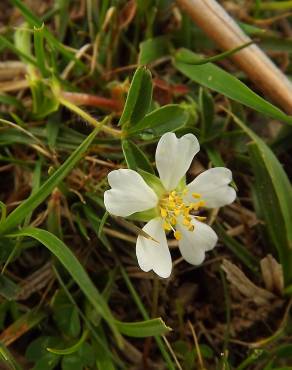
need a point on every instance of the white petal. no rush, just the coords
(174, 157)
(129, 193)
(213, 187)
(194, 244)
(151, 255)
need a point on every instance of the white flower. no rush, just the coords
(173, 205)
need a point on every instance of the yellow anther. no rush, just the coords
(173, 220)
(167, 226)
(186, 221)
(202, 203)
(173, 205)
(201, 218)
(163, 212)
(195, 206)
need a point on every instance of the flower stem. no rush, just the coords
(87, 117)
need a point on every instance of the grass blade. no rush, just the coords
(215, 78)
(76, 270)
(18, 215)
(274, 194)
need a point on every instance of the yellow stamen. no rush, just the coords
(173, 221)
(175, 209)
(202, 203)
(186, 222)
(163, 212)
(201, 218)
(166, 226)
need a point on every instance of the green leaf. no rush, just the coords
(35, 21)
(154, 182)
(11, 100)
(66, 315)
(138, 99)
(75, 269)
(9, 45)
(165, 119)
(96, 224)
(274, 197)
(143, 329)
(207, 110)
(135, 157)
(153, 49)
(139, 304)
(215, 78)
(39, 49)
(8, 359)
(27, 206)
(198, 60)
(37, 352)
(71, 349)
(79, 360)
(8, 289)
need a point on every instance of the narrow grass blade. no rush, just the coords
(39, 49)
(76, 270)
(18, 215)
(215, 78)
(274, 195)
(6, 358)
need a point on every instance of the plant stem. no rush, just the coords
(87, 117)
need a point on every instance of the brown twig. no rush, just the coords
(220, 27)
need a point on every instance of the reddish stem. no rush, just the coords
(93, 101)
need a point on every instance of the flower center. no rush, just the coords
(172, 206)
